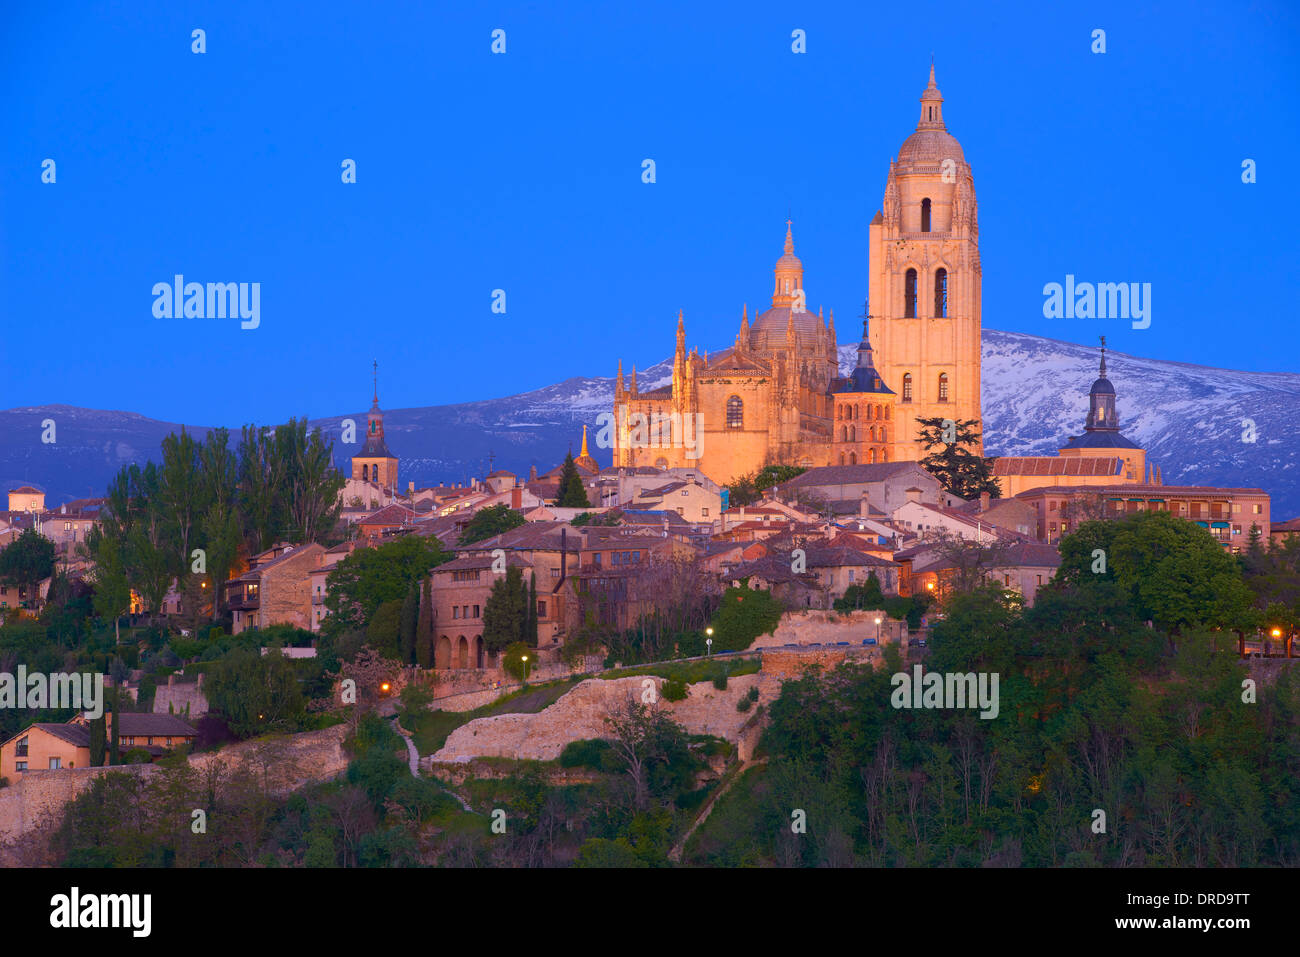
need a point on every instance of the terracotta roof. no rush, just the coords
(135, 723)
(1056, 465)
(388, 515)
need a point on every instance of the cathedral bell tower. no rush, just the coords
(925, 280)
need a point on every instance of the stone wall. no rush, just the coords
(289, 762)
(830, 627)
(580, 714)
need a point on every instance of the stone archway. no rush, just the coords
(442, 653)
(462, 652)
(478, 651)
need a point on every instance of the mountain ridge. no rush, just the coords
(1189, 417)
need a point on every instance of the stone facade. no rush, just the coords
(925, 280)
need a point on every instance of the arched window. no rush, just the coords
(925, 215)
(841, 458)
(871, 457)
(844, 433)
(884, 455)
(853, 434)
(909, 294)
(661, 463)
(853, 458)
(941, 293)
(365, 473)
(735, 413)
(884, 434)
(873, 433)
(886, 413)
(907, 387)
(943, 387)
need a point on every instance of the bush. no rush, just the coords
(674, 690)
(720, 679)
(513, 660)
(752, 693)
(587, 753)
(137, 756)
(744, 704)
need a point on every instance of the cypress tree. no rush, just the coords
(572, 493)
(115, 751)
(531, 636)
(98, 741)
(407, 625)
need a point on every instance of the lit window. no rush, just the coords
(735, 413)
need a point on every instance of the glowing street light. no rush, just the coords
(524, 659)
(877, 631)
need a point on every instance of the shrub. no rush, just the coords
(752, 693)
(744, 704)
(674, 690)
(587, 753)
(137, 756)
(720, 679)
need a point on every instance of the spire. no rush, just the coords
(584, 443)
(374, 405)
(1102, 373)
(931, 106)
(632, 387)
(618, 384)
(788, 271)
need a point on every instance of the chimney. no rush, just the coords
(410, 488)
(984, 501)
(864, 505)
(516, 497)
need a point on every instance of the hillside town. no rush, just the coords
(736, 612)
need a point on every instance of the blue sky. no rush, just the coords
(522, 172)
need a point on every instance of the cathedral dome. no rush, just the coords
(769, 329)
(931, 144)
(1102, 387)
(930, 147)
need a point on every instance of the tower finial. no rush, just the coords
(584, 454)
(1103, 356)
(789, 235)
(375, 373)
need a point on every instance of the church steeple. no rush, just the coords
(788, 271)
(931, 106)
(1101, 400)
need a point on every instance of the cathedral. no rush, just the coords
(777, 397)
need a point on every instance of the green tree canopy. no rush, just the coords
(368, 577)
(958, 469)
(490, 521)
(572, 493)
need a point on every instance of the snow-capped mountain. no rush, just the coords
(1035, 395)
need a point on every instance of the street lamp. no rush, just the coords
(524, 659)
(877, 631)
(708, 642)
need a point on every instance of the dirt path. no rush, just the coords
(675, 855)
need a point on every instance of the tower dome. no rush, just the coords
(931, 144)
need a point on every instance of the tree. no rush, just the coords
(368, 577)
(256, 693)
(1168, 569)
(643, 737)
(27, 561)
(958, 469)
(750, 488)
(531, 635)
(222, 538)
(112, 591)
(490, 521)
(98, 741)
(505, 615)
(384, 630)
(409, 624)
(969, 562)
(572, 493)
